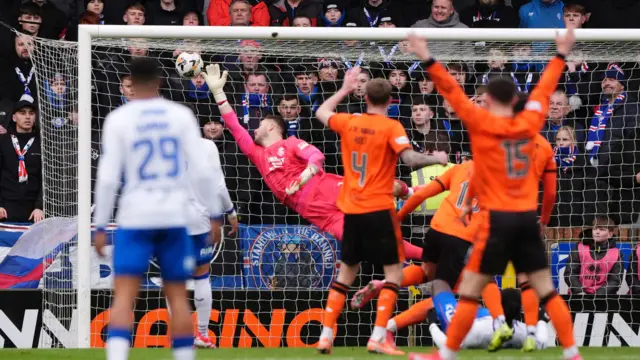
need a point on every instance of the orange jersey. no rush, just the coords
(447, 218)
(370, 146)
(503, 148)
(543, 157)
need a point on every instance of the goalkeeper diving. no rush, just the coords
(292, 168)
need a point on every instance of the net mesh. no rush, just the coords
(270, 254)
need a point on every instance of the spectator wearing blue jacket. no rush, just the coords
(542, 14)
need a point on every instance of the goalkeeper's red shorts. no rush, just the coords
(322, 210)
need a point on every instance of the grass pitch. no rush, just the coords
(620, 353)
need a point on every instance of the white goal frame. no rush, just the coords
(88, 32)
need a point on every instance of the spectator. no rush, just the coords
(18, 71)
(367, 12)
(89, 18)
(458, 135)
(426, 134)
(213, 130)
(240, 13)
(57, 92)
(525, 71)
(400, 107)
(256, 102)
(459, 71)
(134, 14)
(301, 21)
(391, 17)
(127, 90)
(425, 84)
(595, 265)
(306, 85)
(480, 97)
(282, 12)
(574, 15)
(333, 13)
(192, 18)
(327, 70)
(633, 273)
(96, 7)
(54, 21)
(559, 108)
(289, 109)
(490, 14)
(443, 15)
(21, 175)
(543, 14)
(163, 12)
(355, 103)
(30, 18)
(571, 206)
(219, 13)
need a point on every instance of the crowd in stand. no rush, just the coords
(593, 115)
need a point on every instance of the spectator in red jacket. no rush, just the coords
(218, 13)
(283, 12)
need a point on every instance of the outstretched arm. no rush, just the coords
(314, 159)
(216, 82)
(326, 110)
(434, 188)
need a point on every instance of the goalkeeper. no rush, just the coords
(292, 168)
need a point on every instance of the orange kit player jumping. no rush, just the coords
(506, 185)
(371, 144)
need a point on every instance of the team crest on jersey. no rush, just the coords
(281, 253)
(281, 151)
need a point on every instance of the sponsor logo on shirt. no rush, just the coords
(402, 140)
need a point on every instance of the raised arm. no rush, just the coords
(327, 109)
(314, 159)
(470, 114)
(216, 82)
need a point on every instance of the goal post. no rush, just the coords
(446, 44)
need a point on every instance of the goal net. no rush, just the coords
(270, 279)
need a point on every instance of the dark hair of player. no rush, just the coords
(378, 91)
(521, 102)
(512, 305)
(280, 122)
(502, 90)
(144, 71)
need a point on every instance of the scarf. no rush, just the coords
(27, 80)
(393, 111)
(22, 169)
(598, 125)
(565, 156)
(197, 92)
(373, 22)
(255, 101)
(292, 127)
(308, 99)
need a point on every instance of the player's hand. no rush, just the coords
(637, 180)
(216, 231)
(37, 215)
(542, 228)
(418, 46)
(565, 43)
(465, 217)
(441, 157)
(233, 221)
(100, 241)
(304, 177)
(350, 82)
(215, 80)
(3, 213)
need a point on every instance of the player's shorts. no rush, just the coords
(508, 236)
(448, 252)
(172, 248)
(322, 210)
(203, 248)
(374, 237)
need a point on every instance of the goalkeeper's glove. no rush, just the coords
(304, 177)
(216, 82)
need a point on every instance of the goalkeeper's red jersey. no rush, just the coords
(280, 163)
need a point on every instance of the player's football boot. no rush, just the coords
(383, 347)
(500, 336)
(433, 356)
(324, 346)
(203, 342)
(529, 344)
(391, 338)
(367, 293)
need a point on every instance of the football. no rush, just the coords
(189, 65)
